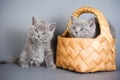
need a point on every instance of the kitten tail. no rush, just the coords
(10, 60)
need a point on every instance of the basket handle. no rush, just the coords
(104, 27)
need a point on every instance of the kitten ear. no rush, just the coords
(91, 22)
(73, 19)
(33, 20)
(52, 26)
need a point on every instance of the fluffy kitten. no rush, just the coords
(38, 45)
(87, 28)
(82, 28)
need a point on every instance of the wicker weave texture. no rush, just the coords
(87, 54)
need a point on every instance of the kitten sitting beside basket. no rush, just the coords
(38, 46)
(86, 28)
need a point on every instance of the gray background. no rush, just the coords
(15, 19)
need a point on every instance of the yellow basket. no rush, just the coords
(87, 54)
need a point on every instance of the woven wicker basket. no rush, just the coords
(87, 54)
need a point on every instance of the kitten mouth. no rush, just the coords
(44, 39)
(77, 33)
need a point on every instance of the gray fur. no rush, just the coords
(82, 28)
(112, 30)
(87, 28)
(38, 48)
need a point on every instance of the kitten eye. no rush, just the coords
(81, 29)
(36, 30)
(73, 27)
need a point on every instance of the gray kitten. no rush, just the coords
(87, 28)
(82, 28)
(38, 45)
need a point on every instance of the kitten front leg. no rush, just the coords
(36, 64)
(24, 60)
(49, 59)
(23, 65)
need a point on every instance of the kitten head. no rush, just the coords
(82, 28)
(41, 31)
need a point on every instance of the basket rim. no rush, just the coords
(60, 36)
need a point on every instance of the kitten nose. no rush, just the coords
(77, 29)
(76, 32)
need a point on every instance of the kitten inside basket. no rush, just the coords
(88, 28)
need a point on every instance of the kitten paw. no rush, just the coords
(24, 65)
(35, 63)
(51, 66)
